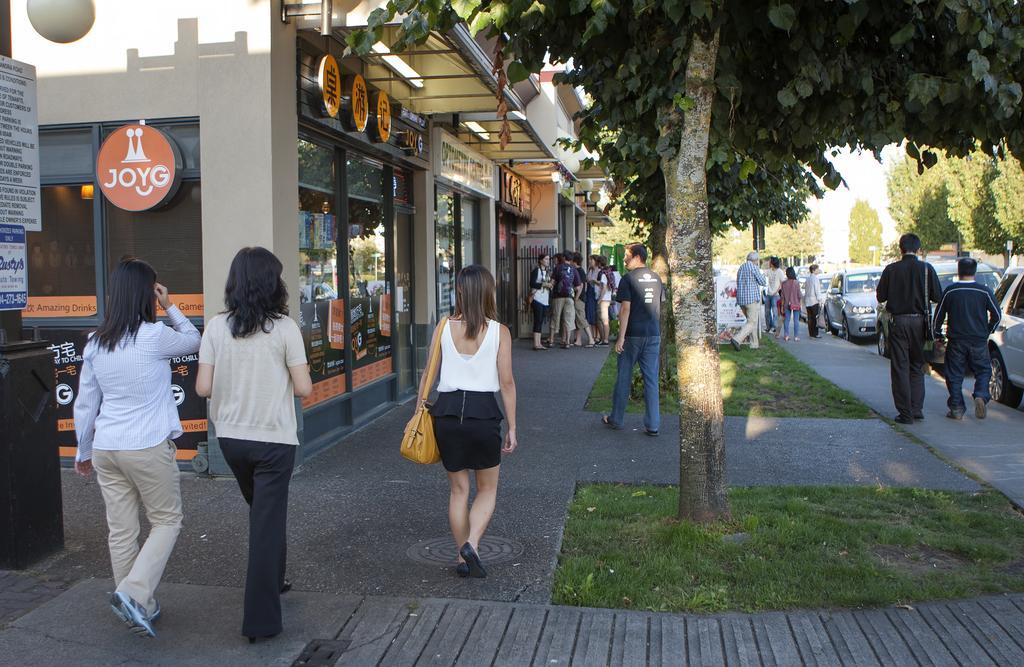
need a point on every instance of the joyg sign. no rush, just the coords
(138, 167)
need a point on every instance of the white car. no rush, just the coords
(1006, 345)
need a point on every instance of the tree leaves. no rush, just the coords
(903, 35)
(517, 72)
(782, 16)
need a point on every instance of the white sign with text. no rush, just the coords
(19, 146)
(13, 271)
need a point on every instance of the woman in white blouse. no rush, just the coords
(126, 421)
(476, 362)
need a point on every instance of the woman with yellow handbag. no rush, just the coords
(476, 361)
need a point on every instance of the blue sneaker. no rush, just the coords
(132, 614)
(155, 616)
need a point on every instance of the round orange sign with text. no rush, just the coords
(138, 167)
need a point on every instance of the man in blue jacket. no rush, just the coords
(973, 314)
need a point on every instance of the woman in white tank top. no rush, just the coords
(476, 362)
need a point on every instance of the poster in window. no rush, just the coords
(371, 335)
(321, 321)
(67, 346)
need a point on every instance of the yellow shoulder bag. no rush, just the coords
(418, 442)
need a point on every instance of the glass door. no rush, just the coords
(445, 241)
(404, 345)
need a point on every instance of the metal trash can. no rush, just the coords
(31, 513)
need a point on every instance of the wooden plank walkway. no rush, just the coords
(389, 631)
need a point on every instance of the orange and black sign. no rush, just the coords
(328, 78)
(360, 103)
(383, 125)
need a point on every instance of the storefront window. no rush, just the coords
(62, 257)
(170, 238)
(444, 235)
(469, 230)
(321, 311)
(369, 293)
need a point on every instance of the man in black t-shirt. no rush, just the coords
(640, 294)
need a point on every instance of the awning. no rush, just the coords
(451, 74)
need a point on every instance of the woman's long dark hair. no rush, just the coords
(130, 302)
(255, 295)
(474, 298)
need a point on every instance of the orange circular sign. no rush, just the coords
(360, 103)
(383, 117)
(329, 79)
(138, 167)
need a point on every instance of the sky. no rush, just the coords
(865, 179)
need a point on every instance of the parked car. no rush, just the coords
(1006, 345)
(946, 271)
(850, 303)
(824, 280)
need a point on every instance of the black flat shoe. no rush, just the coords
(653, 434)
(462, 569)
(608, 422)
(286, 586)
(253, 640)
(919, 416)
(476, 568)
(900, 419)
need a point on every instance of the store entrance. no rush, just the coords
(507, 276)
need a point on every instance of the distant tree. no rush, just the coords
(797, 243)
(730, 248)
(919, 204)
(1008, 196)
(865, 232)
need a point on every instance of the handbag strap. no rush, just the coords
(433, 362)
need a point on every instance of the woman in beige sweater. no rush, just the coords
(252, 362)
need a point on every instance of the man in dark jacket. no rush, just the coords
(972, 314)
(903, 288)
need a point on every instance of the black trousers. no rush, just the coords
(906, 363)
(263, 471)
(812, 320)
(540, 311)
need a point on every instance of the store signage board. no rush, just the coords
(383, 125)
(13, 268)
(463, 166)
(328, 79)
(138, 167)
(360, 103)
(19, 146)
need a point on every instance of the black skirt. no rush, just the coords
(467, 425)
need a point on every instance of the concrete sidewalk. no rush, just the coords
(992, 449)
(200, 623)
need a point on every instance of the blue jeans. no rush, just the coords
(792, 317)
(772, 310)
(643, 351)
(961, 355)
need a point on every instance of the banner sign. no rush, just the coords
(730, 315)
(462, 165)
(67, 347)
(19, 146)
(138, 167)
(13, 272)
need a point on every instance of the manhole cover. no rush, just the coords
(441, 550)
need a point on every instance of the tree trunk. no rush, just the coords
(702, 491)
(659, 262)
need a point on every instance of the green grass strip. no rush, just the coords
(769, 382)
(806, 547)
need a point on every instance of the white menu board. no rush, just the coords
(19, 146)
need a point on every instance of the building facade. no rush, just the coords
(213, 126)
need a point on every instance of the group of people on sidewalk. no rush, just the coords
(252, 365)
(576, 303)
(965, 315)
(773, 297)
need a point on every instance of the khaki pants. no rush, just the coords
(563, 316)
(752, 327)
(127, 479)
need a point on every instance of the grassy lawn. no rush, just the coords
(773, 384)
(808, 547)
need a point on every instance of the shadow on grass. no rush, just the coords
(768, 382)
